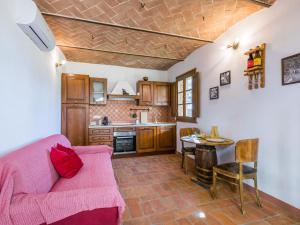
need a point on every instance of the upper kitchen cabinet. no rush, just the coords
(75, 88)
(161, 93)
(154, 93)
(98, 91)
(145, 88)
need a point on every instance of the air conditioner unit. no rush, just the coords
(31, 21)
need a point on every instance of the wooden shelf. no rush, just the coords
(253, 71)
(256, 75)
(137, 109)
(262, 47)
(135, 97)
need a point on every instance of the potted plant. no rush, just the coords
(134, 116)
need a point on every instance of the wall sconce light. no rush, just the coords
(61, 63)
(235, 45)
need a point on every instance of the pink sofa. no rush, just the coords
(31, 191)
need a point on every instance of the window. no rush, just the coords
(187, 97)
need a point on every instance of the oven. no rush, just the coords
(124, 142)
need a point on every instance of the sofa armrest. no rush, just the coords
(93, 149)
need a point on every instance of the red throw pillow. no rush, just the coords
(67, 163)
(65, 149)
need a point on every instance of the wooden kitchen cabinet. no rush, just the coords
(166, 138)
(161, 93)
(145, 139)
(75, 88)
(145, 89)
(154, 93)
(98, 91)
(101, 136)
(75, 122)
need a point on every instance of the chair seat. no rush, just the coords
(234, 169)
(190, 149)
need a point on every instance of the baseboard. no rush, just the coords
(274, 200)
(144, 154)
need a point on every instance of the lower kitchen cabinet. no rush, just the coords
(75, 121)
(166, 138)
(145, 139)
(153, 139)
(101, 136)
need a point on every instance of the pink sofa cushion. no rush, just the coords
(96, 172)
(33, 170)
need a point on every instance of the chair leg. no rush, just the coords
(233, 188)
(241, 195)
(213, 190)
(256, 191)
(185, 163)
(182, 158)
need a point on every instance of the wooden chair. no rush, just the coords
(187, 150)
(246, 151)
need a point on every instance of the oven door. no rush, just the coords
(124, 144)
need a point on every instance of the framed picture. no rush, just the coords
(291, 70)
(225, 78)
(214, 93)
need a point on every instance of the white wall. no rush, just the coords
(115, 73)
(29, 86)
(273, 113)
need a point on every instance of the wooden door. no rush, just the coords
(166, 138)
(161, 93)
(98, 91)
(145, 88)
(145, 139)
(75, 122)
(75, 88)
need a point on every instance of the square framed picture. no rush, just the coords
(291, 69)
(214, 93)
(225, 78)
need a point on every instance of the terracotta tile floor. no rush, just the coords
(157, 191)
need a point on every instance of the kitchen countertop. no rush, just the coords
(134, 125)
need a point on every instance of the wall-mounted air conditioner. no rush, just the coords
(31, 21)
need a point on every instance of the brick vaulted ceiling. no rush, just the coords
(101, 32)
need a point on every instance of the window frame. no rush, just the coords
(195, 96)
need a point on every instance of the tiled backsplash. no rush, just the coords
(119, 112)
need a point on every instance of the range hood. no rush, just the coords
(123, 90)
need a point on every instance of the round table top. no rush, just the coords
(202, 141)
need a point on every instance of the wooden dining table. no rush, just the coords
(205, 157)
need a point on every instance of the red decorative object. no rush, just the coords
(66, 162)
(65, 149)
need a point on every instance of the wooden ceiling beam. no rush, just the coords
(127, 27)
(261, 3)
(119, 52)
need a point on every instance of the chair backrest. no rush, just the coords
(188, 131)
(246, 150)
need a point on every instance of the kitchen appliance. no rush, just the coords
(124, 142)
(105, 121)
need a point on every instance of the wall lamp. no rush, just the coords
(61, 63)
(235, 45)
